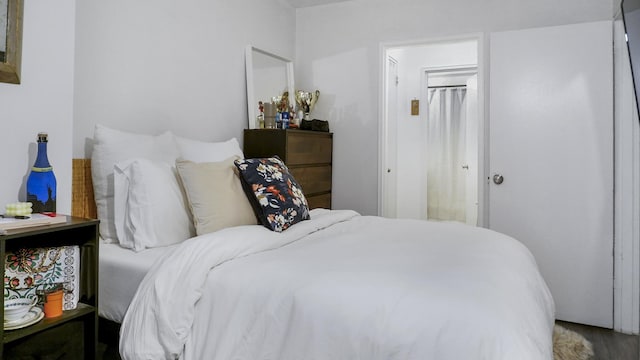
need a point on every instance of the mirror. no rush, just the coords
(4, 6)
(268, 75)
(11, 42)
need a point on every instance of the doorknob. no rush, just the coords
(498, 179)
(466, 167)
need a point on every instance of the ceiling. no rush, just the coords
(308, 3)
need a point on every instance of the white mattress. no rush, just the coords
(121, 271)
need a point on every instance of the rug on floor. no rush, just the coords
(569, 345)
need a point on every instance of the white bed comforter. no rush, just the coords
(343, 286)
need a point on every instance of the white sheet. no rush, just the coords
(121, 271)
(361, 288)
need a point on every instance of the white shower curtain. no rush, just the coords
(446, 177)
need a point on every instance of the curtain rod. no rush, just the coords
(446, 86)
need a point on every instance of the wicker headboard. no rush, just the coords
(83, 203)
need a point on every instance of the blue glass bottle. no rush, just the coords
(41, 183)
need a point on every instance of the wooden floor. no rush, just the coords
(607, 344)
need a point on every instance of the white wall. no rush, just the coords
(338, 52)
(411, 165)
(148, 66)
(43, 102)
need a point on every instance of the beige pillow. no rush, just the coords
(215, 195)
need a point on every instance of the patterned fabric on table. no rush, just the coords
(29, 271)
(275, 196)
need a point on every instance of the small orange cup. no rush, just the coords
(53, 304)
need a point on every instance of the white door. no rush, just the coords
(551, 139)
(390, 204)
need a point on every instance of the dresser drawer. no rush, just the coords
(319, 201)
(313, 179)
(308, 148)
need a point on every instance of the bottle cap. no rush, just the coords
(42, 137)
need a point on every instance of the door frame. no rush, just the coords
(626, 271)
(390, 183)
(481, 40)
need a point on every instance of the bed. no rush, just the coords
(337, 285)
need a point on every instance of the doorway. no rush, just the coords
(404, 144)
(452, 144)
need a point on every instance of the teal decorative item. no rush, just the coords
(41, 183)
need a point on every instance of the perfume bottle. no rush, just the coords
(41, 183)
(260, 119)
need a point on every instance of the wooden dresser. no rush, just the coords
(306, 153)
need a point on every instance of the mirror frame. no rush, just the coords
(252, 105)
(10, 68)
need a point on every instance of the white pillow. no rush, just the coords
(112, 146)
(202, 151)
(154, 211)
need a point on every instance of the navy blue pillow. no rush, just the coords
(275, 196)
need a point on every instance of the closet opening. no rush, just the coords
(451, 154)
(432, 131)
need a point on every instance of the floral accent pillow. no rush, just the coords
(276, 197)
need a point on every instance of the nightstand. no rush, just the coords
(74, 333)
